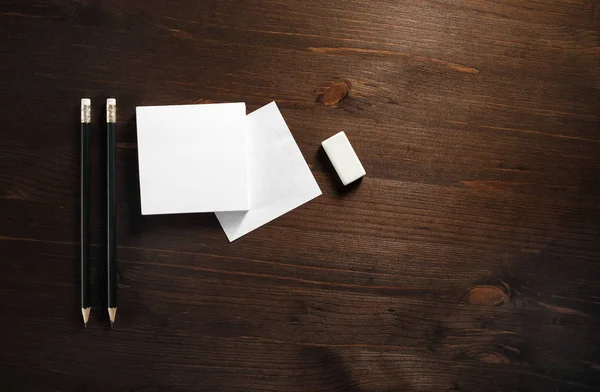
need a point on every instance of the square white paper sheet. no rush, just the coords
(280, 180)
(192, 158)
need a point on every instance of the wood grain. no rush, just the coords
(466, 260)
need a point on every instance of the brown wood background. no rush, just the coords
(466, 260)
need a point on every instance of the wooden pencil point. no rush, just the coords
(86, 315)
(112, 313)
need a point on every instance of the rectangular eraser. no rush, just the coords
(344, 159)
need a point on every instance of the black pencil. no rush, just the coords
(111, 218)
(86, 148)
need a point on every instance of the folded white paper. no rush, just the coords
(280, 180)
(192, 158)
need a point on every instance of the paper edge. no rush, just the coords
(320, 192)
(269, 221)
(145, 107)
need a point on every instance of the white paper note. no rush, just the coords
(280, 180)
(192, 158)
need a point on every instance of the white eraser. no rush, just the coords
(86, 102)
(111, 101)
(344, 159)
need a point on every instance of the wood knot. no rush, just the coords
(493, 358)
(487, 295)
(333, 94)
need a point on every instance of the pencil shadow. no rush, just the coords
(339, 188)
(98, 279)
(76, 195)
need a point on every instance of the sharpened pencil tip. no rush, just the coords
(86, 315)
(112, 313)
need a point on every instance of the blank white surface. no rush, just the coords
(344, 159)
(280, 180)
(192, 158)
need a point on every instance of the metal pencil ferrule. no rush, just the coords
(111, 113)
(86, 113)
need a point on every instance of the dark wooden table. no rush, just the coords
(468, 259)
